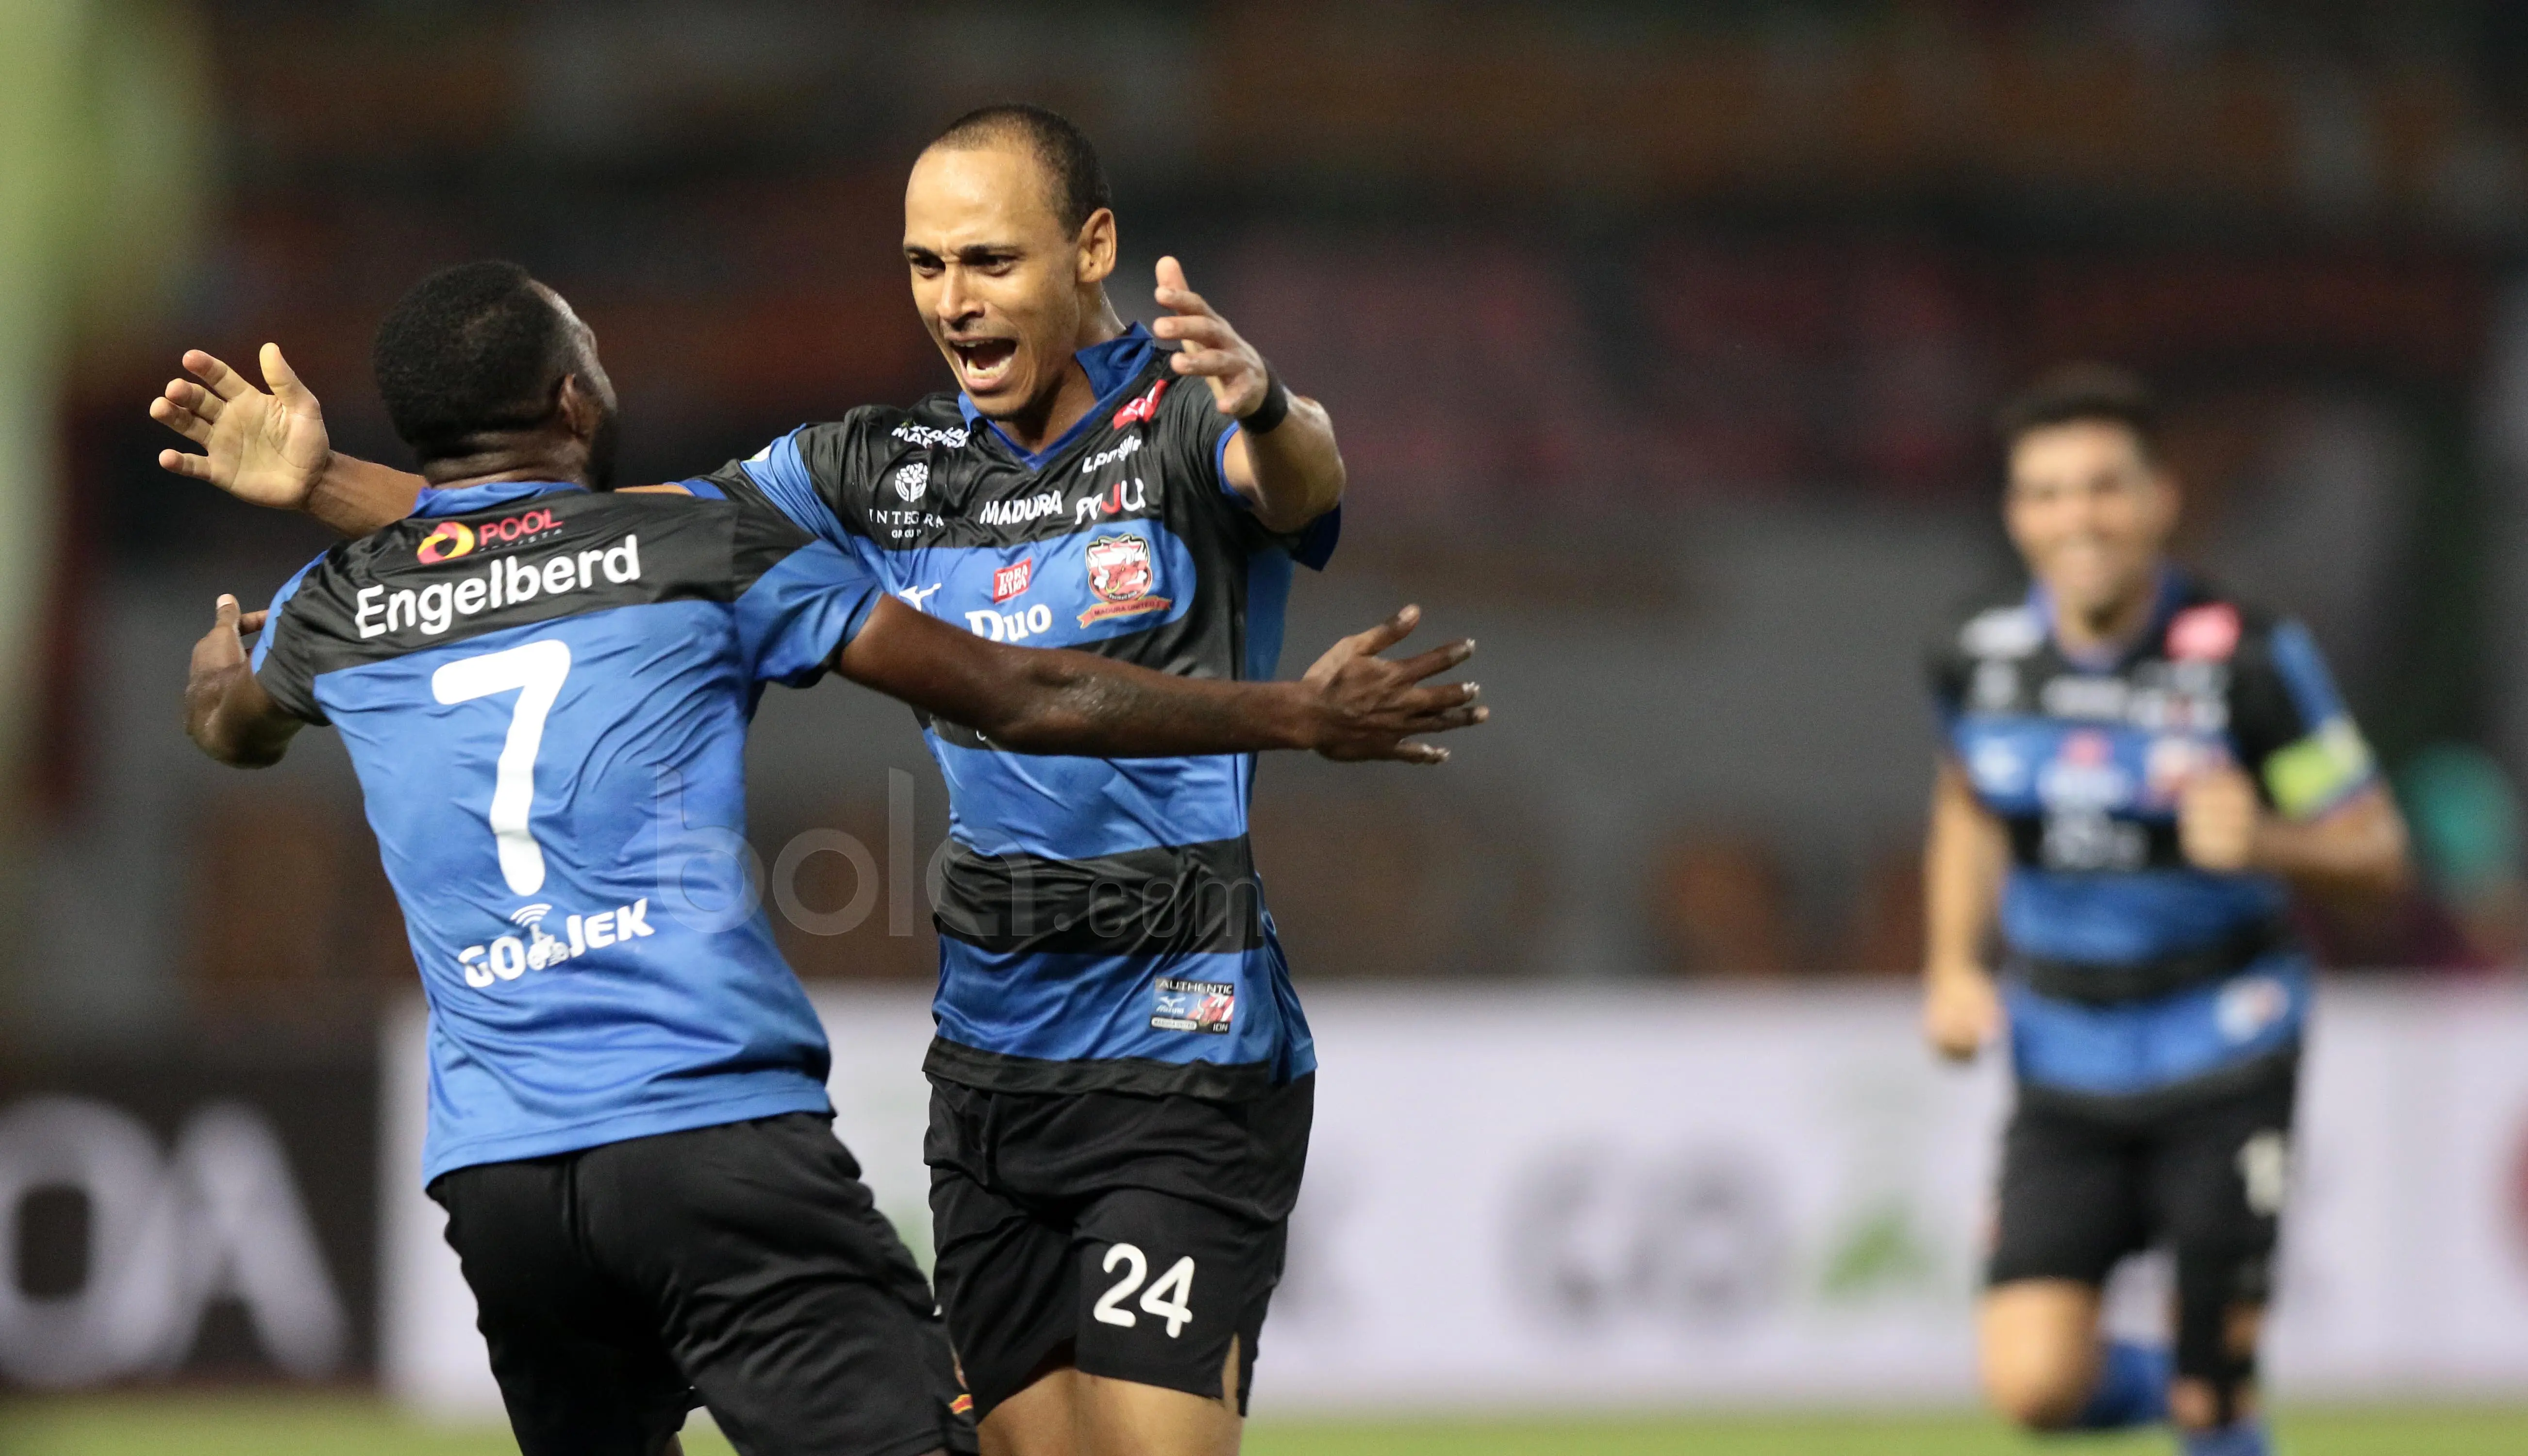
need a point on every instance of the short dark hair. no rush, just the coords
(1078, 178)
(2083, 391)
(471, 349)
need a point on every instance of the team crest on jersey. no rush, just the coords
(1120, 573)
(1193, 1006)
(1012, 581)
(911, 481)
(1143, 409)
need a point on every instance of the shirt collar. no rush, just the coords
(2171, 588)
(436, 501)
(1112, 367)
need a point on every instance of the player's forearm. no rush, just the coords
(1081, 704)
(2359, 848)
(1298, 467)
(1965, 858)
(356, 496)
(225, 720)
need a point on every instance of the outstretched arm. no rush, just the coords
(1352, 704)
(2358, 847)
(1965, 857)
(226, 712)
(1290, 469)
(271, 448)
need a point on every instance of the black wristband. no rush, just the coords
(1274, 410)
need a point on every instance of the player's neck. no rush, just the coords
(1073, 397)
(2107, 627)
(562, 462)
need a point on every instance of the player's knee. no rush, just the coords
(2033, 1390)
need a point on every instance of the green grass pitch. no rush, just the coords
(319, 1426)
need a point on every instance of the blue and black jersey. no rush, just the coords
(1101, 926)
(546, 693)
(2128, 971)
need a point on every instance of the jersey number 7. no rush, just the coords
(535, 671)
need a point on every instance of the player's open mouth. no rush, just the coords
(983, 363)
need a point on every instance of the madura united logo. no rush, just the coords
(1120, 574)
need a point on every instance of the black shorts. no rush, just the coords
(2085, 1184)
(742, 1266)
(1137, 1238)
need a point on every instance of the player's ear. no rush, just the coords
(1096, 246)
(2172, 500)
(582, 412)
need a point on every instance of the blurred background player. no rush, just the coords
(2136, 771)
(1121, 1096)
(629, 1123)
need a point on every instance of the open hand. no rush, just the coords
(264, 448)
(1371, 707)
(1212, 348)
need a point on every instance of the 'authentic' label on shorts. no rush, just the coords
(1193, 1006)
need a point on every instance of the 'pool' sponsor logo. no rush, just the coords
(452, 539)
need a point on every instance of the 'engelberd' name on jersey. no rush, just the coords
(1101, 925)
(544, 693)
(2130, 970)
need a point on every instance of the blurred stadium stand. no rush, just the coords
(1633, 317)
(1661, 338)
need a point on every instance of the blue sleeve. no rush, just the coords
(272, 614)
(2302, 669)
(1315, 546)
(2329, 761)
(286, 675)
(797, 615)
(781, 472)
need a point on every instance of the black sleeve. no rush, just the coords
(816, 476)
(2289, 723)
(1196, 436)
(284, 656)
(1945, 669)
